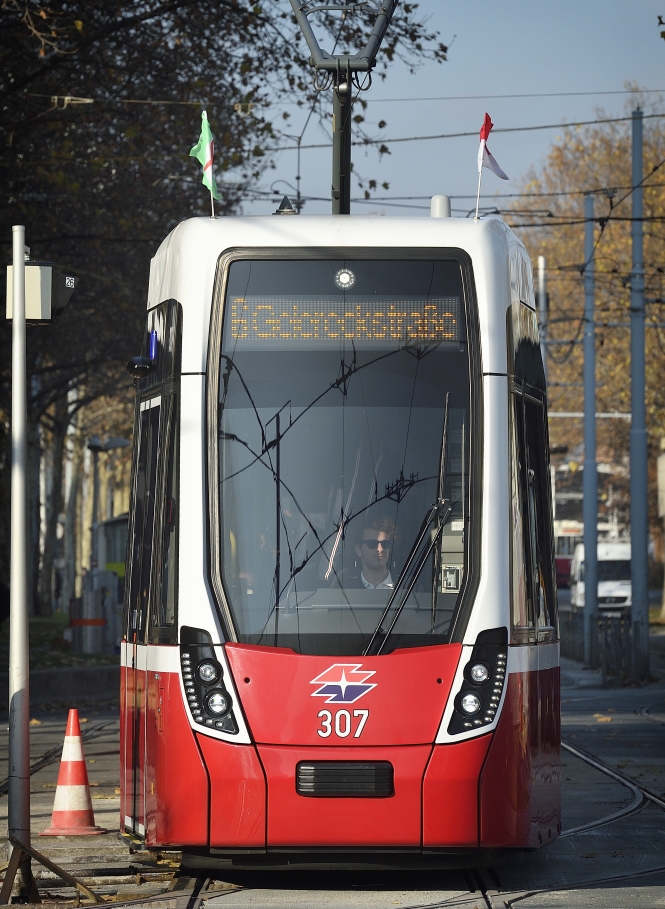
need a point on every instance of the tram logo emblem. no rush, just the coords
(342, 683)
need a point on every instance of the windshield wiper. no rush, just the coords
(440, 512)
(443, 472)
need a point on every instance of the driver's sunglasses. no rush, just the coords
(374, 544)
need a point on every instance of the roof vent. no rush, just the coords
(285, 207)
(440, 207)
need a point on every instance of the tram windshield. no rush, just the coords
(333, 383)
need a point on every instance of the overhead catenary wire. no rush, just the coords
(625, 91)
(380, 141)
(474, 132)
(73, 99)
(525, 195)
(429, 98)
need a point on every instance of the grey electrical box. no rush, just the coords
(47, 291)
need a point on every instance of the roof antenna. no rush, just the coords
(342, 70)
(285, 207)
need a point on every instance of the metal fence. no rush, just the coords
(571, 629)
(613, 650)
(616, 649)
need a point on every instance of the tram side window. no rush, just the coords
(165, 593)
(144, 517)
(533, 592)
(522, 604)
(540, 520)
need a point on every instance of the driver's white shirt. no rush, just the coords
(386, 583)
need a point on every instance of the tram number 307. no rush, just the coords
(342, 723)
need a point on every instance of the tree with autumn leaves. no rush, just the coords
(549, 216)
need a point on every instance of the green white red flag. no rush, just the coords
(204, 152)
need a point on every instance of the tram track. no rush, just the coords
(646, 713)
(641, 797)
(636, 805)
(601, 881)
(480, 891)
(187, 891)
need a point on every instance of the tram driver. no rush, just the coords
(373, 548)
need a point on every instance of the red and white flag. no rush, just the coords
(485, 156)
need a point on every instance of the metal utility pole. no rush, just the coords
(590, 480)
(48, 292)
(19, 675)
(341, 130)
(639, 529)
(339, 70)
(542, 311)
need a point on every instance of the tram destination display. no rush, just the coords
(306, 321)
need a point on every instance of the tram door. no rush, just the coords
(141, 548)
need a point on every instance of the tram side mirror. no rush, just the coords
(139, 367)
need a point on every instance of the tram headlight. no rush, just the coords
(208, 672)
(479, 673)
(470, 703)
(217, 703)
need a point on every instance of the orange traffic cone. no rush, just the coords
(72, 809)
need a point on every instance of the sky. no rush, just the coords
(510, 48)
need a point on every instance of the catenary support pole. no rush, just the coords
(19, 694)
(639, 530)
(542, 310)
(590, 480)
(341, 123)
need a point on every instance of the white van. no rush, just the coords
(614, 584)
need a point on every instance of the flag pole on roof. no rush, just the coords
(486, 158)
(204, 152)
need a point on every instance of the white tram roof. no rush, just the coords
(185, 264)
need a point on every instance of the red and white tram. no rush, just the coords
(340, 634)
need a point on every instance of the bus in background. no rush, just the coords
(614, 579)
(567, 534)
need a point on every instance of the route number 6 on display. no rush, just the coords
(343, 723)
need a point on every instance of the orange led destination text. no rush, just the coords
(272, 319)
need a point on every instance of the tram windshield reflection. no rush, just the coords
(333, 383)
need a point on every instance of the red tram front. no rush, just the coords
(340, 622)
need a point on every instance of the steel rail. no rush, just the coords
(620, 777)
(636, 805)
